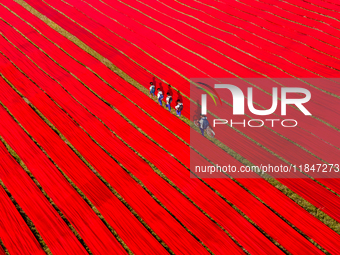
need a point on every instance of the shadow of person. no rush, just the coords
(161, 86)
(170, 91)
(196, 111)
(179, 97)
(154, 81)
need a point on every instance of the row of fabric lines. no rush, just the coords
(90, 107)
(321, 149)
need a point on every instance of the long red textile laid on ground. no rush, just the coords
(277, 41)
(55, 184)
(85, 109)
(300, 22)
(14, 232)
(274, 202)
(328, 5)
(300, 218)
(320, 17)
(124, 63)
(133, 193)
(284, 18)
(93, 107)
(304, 193)
(325, 132)
(132, 38)
(111, 208)
(129, 194)
(242, 26)
(126, 160)
(329, 118)
(309, 124)
(213, 31)
(51, 227)
(207, 53)
(124, 87)
(51, 52)
(269, 29)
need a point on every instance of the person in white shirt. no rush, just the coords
(168, 101)
(179, 108)
(160, 96)
(152, 89)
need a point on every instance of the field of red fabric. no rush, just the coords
(271, 39)
(137, 38)
(92, 107)
(317, 110)
(324, 5)
(51, 227)
(150, 177)
(291, 21)
(86, 8)
(307, 123)
(137, 96)
(67, 7)
(257, 38)
(272, 197)
(111, 208)
(311, 12)
(140, 73)
(85, 221)
(227, 35)
(119, 179)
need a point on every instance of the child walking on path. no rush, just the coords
(168, 101)
(179, 108)
(152, 89)
(160, 96)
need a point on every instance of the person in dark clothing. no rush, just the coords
(203, 124)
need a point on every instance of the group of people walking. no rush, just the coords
(160, 97)
(202, 123)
